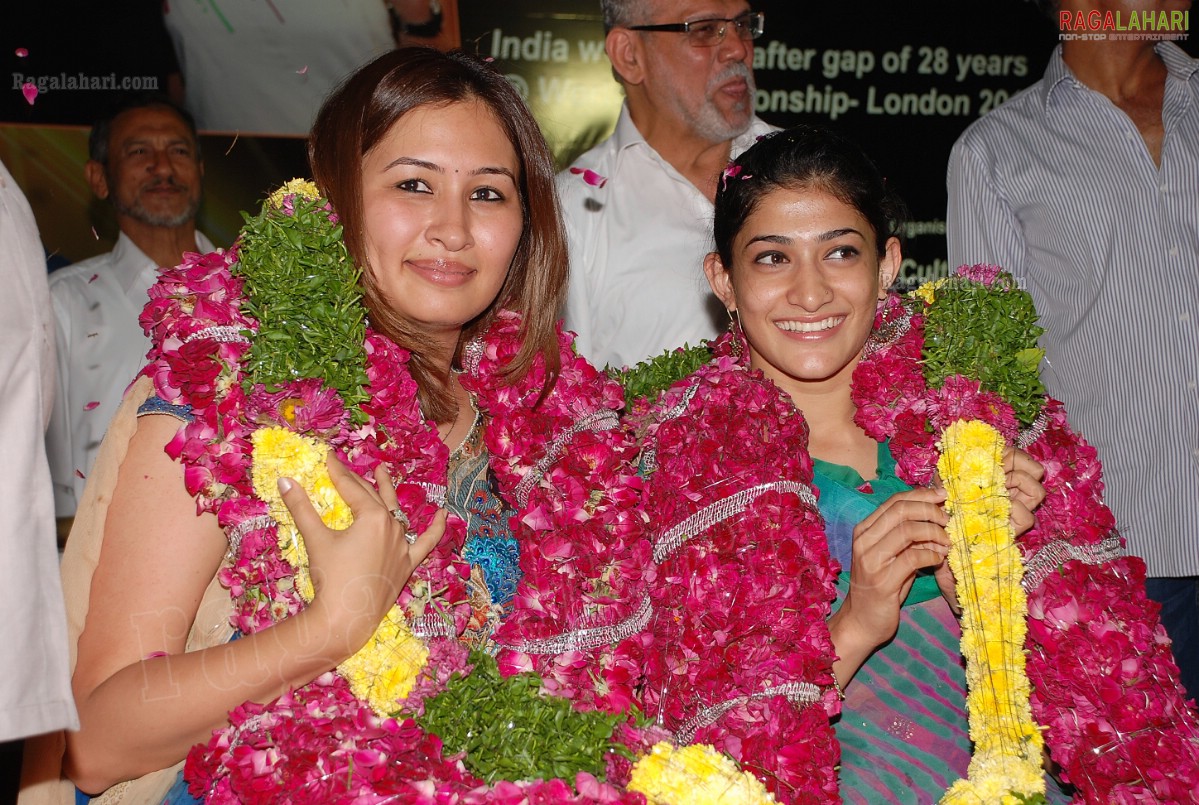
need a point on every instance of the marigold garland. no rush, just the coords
(385, 670)
(281, 453)
(694, 775)
(1006, 765)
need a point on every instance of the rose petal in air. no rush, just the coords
(303, 70)
(21, 53)
(91, 405)
(29, 90)
(590, 177)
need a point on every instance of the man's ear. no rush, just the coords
(97, 179)
(888, 266)
(721, 282)
(624, 51)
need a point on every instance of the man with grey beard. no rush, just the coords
(144, 158)
(638, 206)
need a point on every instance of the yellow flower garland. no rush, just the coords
(1006, 766)
(299, 187)
(695, 775)
(386, 668)
(281, 453)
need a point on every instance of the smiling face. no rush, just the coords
(805, 281)
(153, 172)
(441, 214)
(709, 90)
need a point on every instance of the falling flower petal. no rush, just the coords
(29, 90)
(79, 474)
(93, 277)
(91, 405)
(95, 235)
(729, 172)
(590, 177)
(236, 134)
(303, 70)
(22, 53)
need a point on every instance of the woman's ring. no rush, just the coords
(398, 515)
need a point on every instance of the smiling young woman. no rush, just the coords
(807, 244)
(433, 215)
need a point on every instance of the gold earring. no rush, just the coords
(735, 331)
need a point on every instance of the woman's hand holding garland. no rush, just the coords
(357, 573)
(899, 538)
(1023, 474)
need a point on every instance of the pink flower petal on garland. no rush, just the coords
(590, 177)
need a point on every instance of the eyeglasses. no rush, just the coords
(708, 33)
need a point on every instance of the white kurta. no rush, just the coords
(101, 348)
(35, 685)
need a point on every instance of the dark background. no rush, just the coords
(902, 79)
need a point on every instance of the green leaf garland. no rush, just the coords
(302, 287)
(650, 378)
(509, 731)
(989, 334)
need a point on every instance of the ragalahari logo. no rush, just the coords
(1144, 24)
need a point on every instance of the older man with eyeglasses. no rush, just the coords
(638, 206)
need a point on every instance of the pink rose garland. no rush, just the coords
(1105, 686)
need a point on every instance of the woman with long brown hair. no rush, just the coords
(441, 187)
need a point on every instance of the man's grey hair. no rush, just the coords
(621, 13)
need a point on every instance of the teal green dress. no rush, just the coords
(903, 727)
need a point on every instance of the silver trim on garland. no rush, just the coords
(226, 334)
(798, 693)
(1034, 431)
(237, 532)
(677, 410)
(721, 510)
(429, 626)
(434, 493)
(1053, 555)
(603, 419)
(472, 356)
(591, 638)
(648, 460)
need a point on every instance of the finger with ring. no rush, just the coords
(398, 515)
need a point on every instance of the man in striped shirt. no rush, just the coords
(1086, 187)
